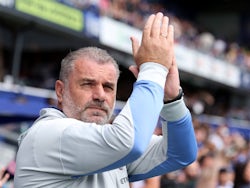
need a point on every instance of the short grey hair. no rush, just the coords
(93, 53)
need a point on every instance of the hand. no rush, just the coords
(159, 48)
(172, 84)
(157, 42)
(3, 177)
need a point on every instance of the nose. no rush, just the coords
(99, 93)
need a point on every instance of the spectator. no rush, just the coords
(225, 178)
(206, 42)
(242, 174)
(209, 167)
(192, 173)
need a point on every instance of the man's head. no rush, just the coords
(87, 85)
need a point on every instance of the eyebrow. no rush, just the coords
(93, 81)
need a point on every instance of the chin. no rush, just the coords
(101, 121)
(95, 119)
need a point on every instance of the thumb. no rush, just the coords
(134, 69)
(174, 67)
(135, 45)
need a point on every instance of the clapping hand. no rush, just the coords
(158, 46)
(157, 42)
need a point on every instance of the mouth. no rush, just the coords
(98, 108)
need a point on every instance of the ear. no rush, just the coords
(59, 87)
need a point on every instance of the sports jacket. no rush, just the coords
(61, 152)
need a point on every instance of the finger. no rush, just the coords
(147, 28)
(173, 67)
(174, 62)
(170, 35)
(134, 69)
(164, 27)
(156, 27)
(135, 45)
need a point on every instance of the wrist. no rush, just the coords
(153, 72)
(178, 97)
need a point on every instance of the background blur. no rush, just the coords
(212, 49)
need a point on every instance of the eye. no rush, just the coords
(108, 87)
(86, 84)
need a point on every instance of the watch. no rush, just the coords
(178, 97)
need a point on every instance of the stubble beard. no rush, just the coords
(74, 110)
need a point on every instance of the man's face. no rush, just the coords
(90, 93)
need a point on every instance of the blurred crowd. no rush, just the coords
(202, 101)
(223, 161)
(188, 33)
(135, 12)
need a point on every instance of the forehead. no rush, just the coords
(90, 68)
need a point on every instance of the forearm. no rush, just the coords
(174, 150)
(178, 128)
(145, 102)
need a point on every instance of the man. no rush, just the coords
(75, 146)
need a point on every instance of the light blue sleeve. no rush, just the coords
(174, 150)
(130, 133)
(142, 109)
